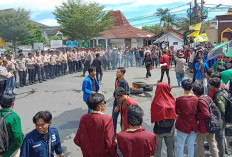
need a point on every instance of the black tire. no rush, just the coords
(134, 91)
(140, 84)
(148, 88)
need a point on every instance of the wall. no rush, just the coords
(212, 35)
(171, 38)
(118, 43)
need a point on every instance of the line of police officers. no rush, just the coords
(42, 66)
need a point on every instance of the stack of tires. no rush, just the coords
(140, 87)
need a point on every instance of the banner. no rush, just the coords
(201, 38)
(2, 43)
(194, 34)
(195, 27)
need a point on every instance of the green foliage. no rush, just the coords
(55, 37)
(35, 36)
(162, 13)
(82, 21)
(99, 46)
(156, 29)
(14, 25)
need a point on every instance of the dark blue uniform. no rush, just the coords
(34, 145)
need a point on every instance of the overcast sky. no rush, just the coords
(41, 10)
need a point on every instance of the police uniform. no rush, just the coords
(45, 60)
(3, 74)
(37, 145)
(21, 66)
(40, 68)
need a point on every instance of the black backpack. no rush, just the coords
(214, 123)
(4, 137)
(228, 97)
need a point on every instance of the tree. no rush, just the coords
(170, 21)
(83, 21)
(35, 36)
(14, 26)
(183, 24)
(156, 29)
(162, 13)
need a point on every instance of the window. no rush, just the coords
(175, 43)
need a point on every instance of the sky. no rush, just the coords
(42, 10)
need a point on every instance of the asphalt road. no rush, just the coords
(63, 98)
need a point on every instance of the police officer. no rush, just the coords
(21, 67)
(46, 66)
(31, 68)
(40, 67)
(3, 77)
(43, 140)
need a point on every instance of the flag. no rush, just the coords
(195, 27)
(2, 43)
(221, 49)
(201, 38)
(194, 34)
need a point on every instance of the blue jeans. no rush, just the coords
(220, 138)
(181, 138)
(10, 83)
(179, 77)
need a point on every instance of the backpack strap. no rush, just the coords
(4, 116)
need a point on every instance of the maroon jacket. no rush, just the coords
(165, 59)
(186, 108)
(95, 136)
(203, 114)
(139, 143)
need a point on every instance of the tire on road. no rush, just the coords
(134, 91)
(140, 84)
(148, 88)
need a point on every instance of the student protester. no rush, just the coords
(218, 62)
(119, 82)
(221, 103)
(95, 135)
(165, 66)
(220, 68)
(98, 64)
(180, 68)
(186, 124)
(202, 115)
(125, 101)
(13, 124)
(200, 68)
(43, 140)
(163, 115)
(148, 63)
(90, 85)
(206, 82)
(135, 141)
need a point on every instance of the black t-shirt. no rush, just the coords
(141, 53)
(45, 137)
(93, 85)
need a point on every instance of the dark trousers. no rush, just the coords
(46, 71)
(58, 70)
(162, 75)
(2, 87)
(53, 71)
(70, 67)
(148, 71)
(99, 74)
(115, 117)
(79, 63)
(40, 74)
(155, 62)
(22, 78)
(74, 66)
(50, 71)
(31, 77)
(36, 72)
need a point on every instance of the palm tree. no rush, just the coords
(170, 20)
(162, 13)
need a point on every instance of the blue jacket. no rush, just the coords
(87, 87)
(35, 146)
(198, 72)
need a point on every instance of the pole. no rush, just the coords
(202, 8)
(190, 15)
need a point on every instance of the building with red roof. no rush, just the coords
(122, 34)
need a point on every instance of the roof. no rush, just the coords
(122, 29)
(171, 31)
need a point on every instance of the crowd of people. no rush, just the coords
(201, 113)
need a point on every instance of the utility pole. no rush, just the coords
(202, 9)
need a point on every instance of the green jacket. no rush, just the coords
(215, 65)
(221, 103)
(14, 129)
(226, 75)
